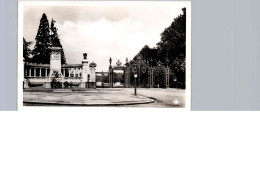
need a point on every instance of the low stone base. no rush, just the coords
(88, 85)
(25, 84)
(47, 84)
(82, 85)
(91, 85)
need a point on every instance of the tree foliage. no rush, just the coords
(172, 47)
(41, 48)
(46, 37)
(26, 50)
(148, 54)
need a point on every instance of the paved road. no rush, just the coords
(164, 97)
(111, 97)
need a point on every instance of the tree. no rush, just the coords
(55, 41)
(41, 48)
(148, 54)
(26, 50)
(173, 46)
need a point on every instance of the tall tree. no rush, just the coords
(148, 54)
(55, 41)
(26, 50)
(41, 48)
(173, 46)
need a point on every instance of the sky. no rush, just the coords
(117, 30)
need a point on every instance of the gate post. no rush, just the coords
(151, 77)
(127, 79)
(167, 77)
(110, 74)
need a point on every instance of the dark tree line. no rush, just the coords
(172, 47)
(45, 38)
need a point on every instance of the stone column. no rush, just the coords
(69, 73)
(80, 72)
(40, 72)
(34, 72)
(64, 72)
(46, 72)
(30, 72)
(74, 72)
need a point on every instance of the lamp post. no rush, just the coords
(135, 82)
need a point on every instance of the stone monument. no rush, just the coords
(88, 73)
(55, 67)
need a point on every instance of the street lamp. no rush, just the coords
(135, 82)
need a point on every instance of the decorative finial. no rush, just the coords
(118, 63)
(110, 60)
(85, 55)
(92, 65)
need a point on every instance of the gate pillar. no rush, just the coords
(111, 78)
(127, 77)
(110, 74)
(151, 77)
(167, 77)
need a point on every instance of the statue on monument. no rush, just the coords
(85, 56)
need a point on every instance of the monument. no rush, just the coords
(88, 73)
(55, 68)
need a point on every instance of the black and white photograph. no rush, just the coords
(111, 54)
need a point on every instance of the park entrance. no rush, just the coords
(147, 76)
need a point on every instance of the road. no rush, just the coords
(122, 97)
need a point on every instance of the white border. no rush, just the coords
(21, 4)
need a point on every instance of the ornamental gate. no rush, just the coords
(147, 77)
(117, 75)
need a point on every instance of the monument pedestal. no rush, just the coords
(88, 73)
(91, 85)
(25, 84)
(82, 84)
(47, 84)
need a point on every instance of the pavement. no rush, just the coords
(153, 97)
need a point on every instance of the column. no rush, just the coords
(34, 72)
(69, 73)
(74, 72)
(80, 72)
(30, 72)
(40, 72)
(46, 72)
